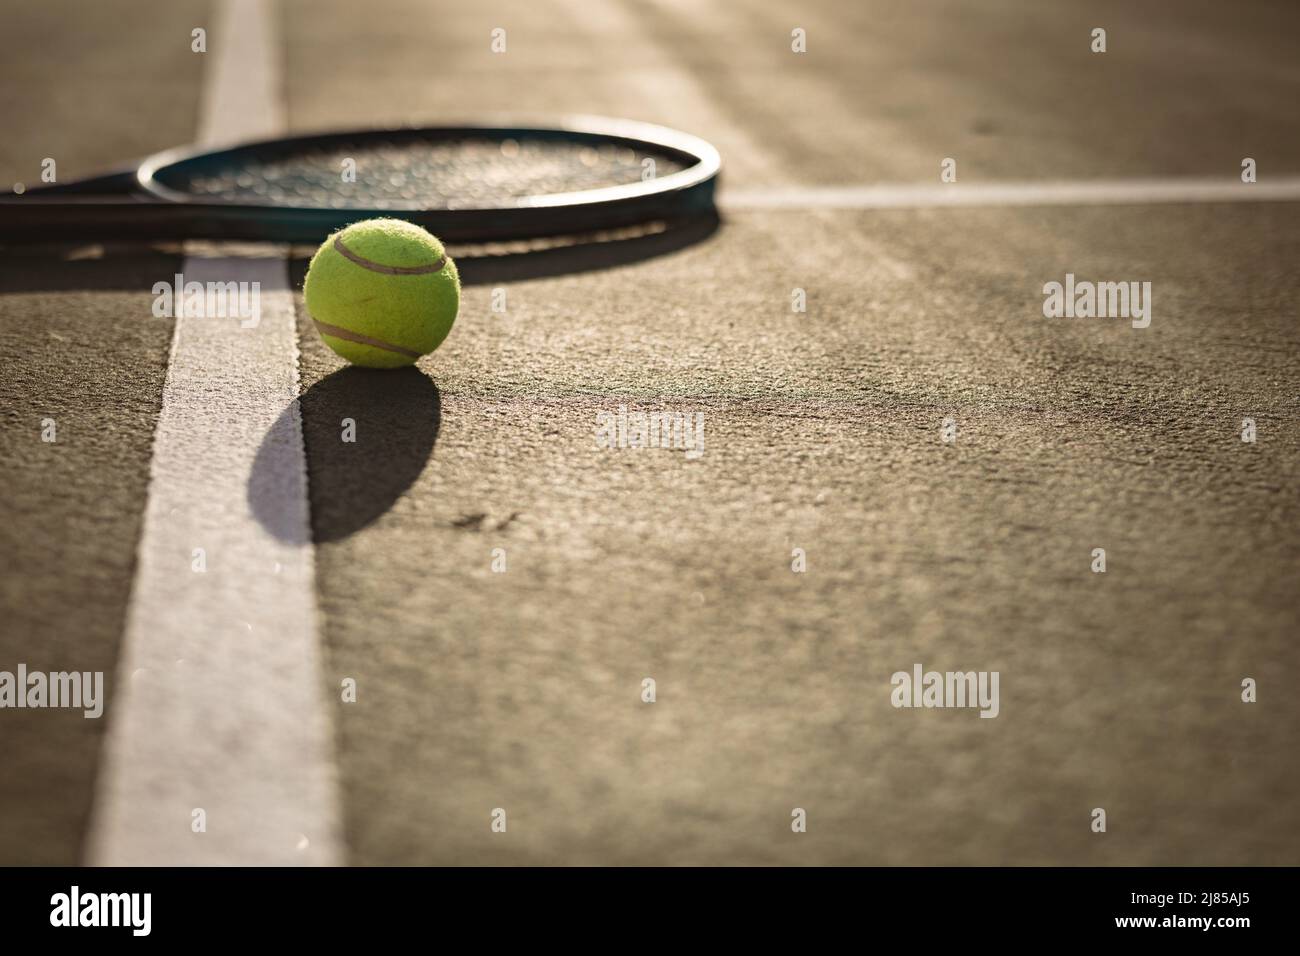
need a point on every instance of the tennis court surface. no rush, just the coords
(438, 643)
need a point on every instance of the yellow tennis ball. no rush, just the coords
(382, 293)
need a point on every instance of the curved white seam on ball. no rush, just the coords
(350, 336)
(365, 263)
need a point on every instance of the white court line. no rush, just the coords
(1113, 192)
(219, 704)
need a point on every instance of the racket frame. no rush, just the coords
(136, 203)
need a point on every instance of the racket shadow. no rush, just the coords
(393, 419)
(127, 267)
(572, 255)
(491, 264)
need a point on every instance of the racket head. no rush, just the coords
(464, 182)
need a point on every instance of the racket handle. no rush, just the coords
(121, 181)
(35, 218)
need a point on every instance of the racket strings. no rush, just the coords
(456, 174)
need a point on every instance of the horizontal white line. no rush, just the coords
(1084, 193)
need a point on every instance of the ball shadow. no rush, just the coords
(395, 417)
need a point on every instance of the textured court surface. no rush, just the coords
(521, 690)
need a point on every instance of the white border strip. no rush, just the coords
(1097, 193)
(219, 706)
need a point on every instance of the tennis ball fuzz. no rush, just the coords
(382, 293)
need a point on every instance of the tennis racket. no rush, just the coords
(462, 183)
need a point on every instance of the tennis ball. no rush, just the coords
(382, 293)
